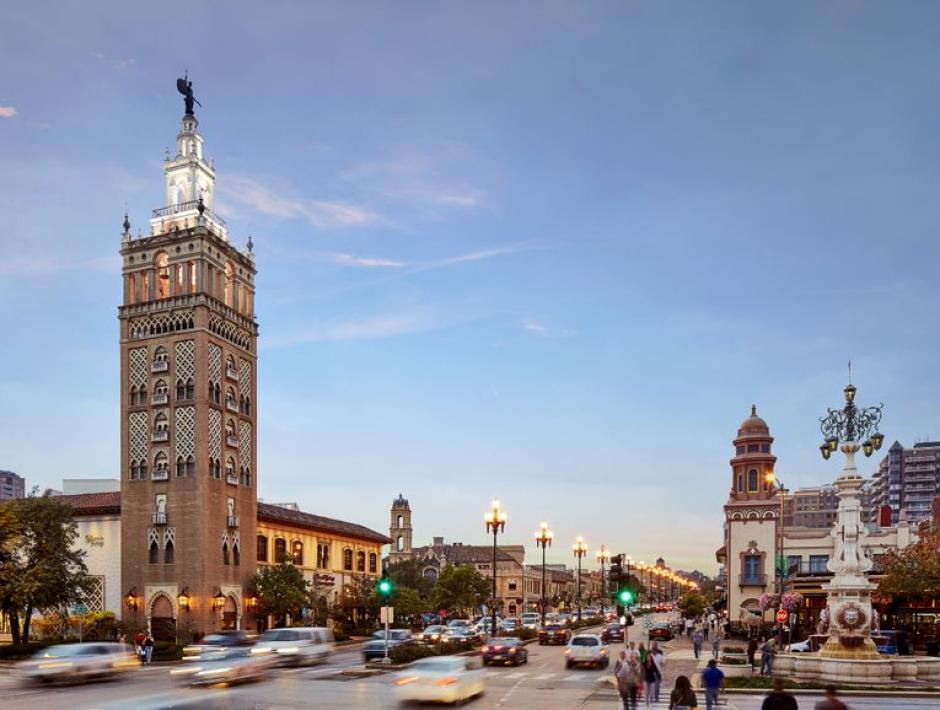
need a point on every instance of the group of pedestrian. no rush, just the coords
(639, 668)
(143, 647)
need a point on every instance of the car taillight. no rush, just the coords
(484, 649)
(406, 680)
(447, 681)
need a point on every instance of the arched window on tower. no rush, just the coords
(230, 402)
(752, 480)
(225, 560)
(161, 466)
(134, 395)
(230, 470)
(400, 543)
(229, 284)
(401, 521)
(161, 265)
(168, 553)
(160, 422)
(236, 554)
(154, 553)
(740, 486)
(160, 360)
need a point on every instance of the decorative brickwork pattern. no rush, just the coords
(153, 536)
(161, 324)
(137, 436)
(244, 378)
(169, 535)
(93, 596)
(137, 366)
(215, 363)
(185, 431)
(215, 434)
(185, 360)
(229, 332)
(244, 446)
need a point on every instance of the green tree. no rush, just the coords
(281, 590)
(407, 602)
(460, 589)
(39, 567)
(915, 570)
(409, 573)
(360, 603)
(692, 604)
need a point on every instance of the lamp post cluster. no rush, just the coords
(543, 538)
(495, 519)
(662, 583)
(580, 549)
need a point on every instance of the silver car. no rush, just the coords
(72, 662)
(227, 665)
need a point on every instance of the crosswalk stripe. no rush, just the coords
(517, 674)
(545, 676)
(575, 676)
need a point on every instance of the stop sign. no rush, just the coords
(781, 616)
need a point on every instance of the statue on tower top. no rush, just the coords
(185, 87)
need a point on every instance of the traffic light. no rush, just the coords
(616, 570)
(384, 588)
(625, 596)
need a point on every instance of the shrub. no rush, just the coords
(340, 635)
(410, 652)
(166, 651)
(734, 649)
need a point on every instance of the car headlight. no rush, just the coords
(288, 650)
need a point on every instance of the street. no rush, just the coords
(543, 683)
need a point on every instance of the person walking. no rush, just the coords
(682, 696)
(703, 624)
(688, 628)
(651, 678)
(766, 657)
(139, 639)
(716, 643)
(660, 660)
(642, 650)
(697, 640)
(751, 651)
(779, 699)
(713, 681)
(631, 653)
(629, 677)
(148, 648)
(831, 702)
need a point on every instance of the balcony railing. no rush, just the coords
(231, 405)
(189, 206)
(810, 569)
(160, 398)
(231, 441)
(160, 435)
(752, 580)
(231, 479)
(231, 373)
(231, 521)
(159, 366)
(158, 518)
(160, 474)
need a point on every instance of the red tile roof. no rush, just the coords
(93, 503)
(277, 514)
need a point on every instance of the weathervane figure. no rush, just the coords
(185, 87)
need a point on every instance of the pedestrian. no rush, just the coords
(631, 653)
(628, 681)
(751, 651)
(139, 645)
(831, 702)
(148, 648)
(713, 681)
(660, 660)
(716, 643)
(651, 678)
(704, 627)
(766, 657)
(682, 696)
(641, 649)
(688, 628)
(779, 699)
(697, 640)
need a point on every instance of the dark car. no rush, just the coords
(661, 632)
(612, 632)
(218, 641)
(554, 634)
(508, 650)
(433, 635)
(375, 647)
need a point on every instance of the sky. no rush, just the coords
(545, 251)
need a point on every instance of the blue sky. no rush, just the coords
(547, 251)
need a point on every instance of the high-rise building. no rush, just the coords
(908, 481)
(11, 486)
(188, 401)
(814, 507)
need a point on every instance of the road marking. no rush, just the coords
(517, 674)
(545, 676)
(575, 677)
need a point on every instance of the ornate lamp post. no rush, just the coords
(495, 519)
(849, 592)
(772, 480)
(580, 549)
(543, 538)
(603, 556)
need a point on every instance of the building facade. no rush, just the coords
(907, 482)
(813, 507)
(188, 344)
(400, 531)
(11, 486)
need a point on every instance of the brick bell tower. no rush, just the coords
(188, 408)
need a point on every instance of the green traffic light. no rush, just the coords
(385, 587)
(625, 596)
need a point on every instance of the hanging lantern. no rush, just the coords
(877, 439)
(868, 447)
(825, 451)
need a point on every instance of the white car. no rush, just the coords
(227, 665)
(446, 679)
(588, 650)
(299, 645)
(800, 647)
(77, 661)
(531, 621)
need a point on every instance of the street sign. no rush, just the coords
(80, 609)
(387, 615)
(647, 623)
(781, 616)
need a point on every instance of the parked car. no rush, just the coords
(447, 679)
(225, 665)
(217, 641)
(433, 634)
(510, 625)
(375, 647)
(554, 634)
(660, 632)
(586, 649)
(612, 632)
(505, 649)
(73, 662)
(531, 621)
(800, 647)
(296, 646)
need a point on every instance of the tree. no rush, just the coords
(409, 573)
(39, 567)
(915, 570)
(692, 604)
(407, 602)
(360, 603)
(461, 589)
(282, 591)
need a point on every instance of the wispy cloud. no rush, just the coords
(119, 63)
(387, 325)
(51, 265)
(533, 326)
(351, 260)
(7, 111)
(540, 329)
(481, 255)
(240, 191)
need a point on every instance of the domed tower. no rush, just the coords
(751, 518)
(400, 531)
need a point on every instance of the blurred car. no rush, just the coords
(225, 665)
(216, 642)
(375, 647)
(531, 620)
(296, 646)
(800, 647)
(73, 662)
(565, 619)
(660, 632)
(464, 623)
(510, 625)
(612, 632)
(588, 650)
(554, 634)
(447, 679)
(506, 649)
(460, 634)
(433, 634)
